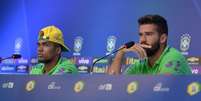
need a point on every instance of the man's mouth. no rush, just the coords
(40, 55)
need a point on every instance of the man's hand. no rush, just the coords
(116, 65)
(138, 48)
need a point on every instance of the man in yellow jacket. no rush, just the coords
(50, 46)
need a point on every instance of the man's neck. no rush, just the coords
(154, 58)
(50, 65)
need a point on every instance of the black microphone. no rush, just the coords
(14, 56)
(126, 45)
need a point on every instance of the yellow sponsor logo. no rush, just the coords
(193, 59)
(193, 88)
(79, 86)
(132, 87)
(30, 85)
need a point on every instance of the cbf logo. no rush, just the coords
(193, 88)
(185, 43)
(132, 87)
(79, 86)
(111, 41)
(30, 85)
(18, 45)
(78, 42)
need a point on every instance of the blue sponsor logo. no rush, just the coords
(84, 61)
(22, 68)
(7, 68)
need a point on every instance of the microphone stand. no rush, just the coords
(1, 59)
(92, 67)
(14, 56)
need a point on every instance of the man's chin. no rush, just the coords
(151, 51)
(43, 61)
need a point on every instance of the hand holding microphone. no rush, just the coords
(138, 48)
(115, 68)
(129, 46)
(126, 45)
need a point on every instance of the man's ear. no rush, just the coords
(163, 38)
(58, 50)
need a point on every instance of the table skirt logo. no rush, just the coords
(30, 85)
(132, 87)
(79, 86)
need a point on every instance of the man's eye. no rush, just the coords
(46, 44)
(148, 34)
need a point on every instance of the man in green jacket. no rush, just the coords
(155, 56)
(50, 45)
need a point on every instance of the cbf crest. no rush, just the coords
(111, 42)
(18, 45)
(78, 42)
(185, 43)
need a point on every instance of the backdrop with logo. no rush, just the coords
(94, 28)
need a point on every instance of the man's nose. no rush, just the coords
(40, 48)
(143, 39)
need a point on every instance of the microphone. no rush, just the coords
(14, 56)
(126, 45)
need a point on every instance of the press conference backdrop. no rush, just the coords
(94, 28)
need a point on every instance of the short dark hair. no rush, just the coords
(157, 20)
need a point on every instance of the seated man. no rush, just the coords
(156, 57)
(50, 46)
